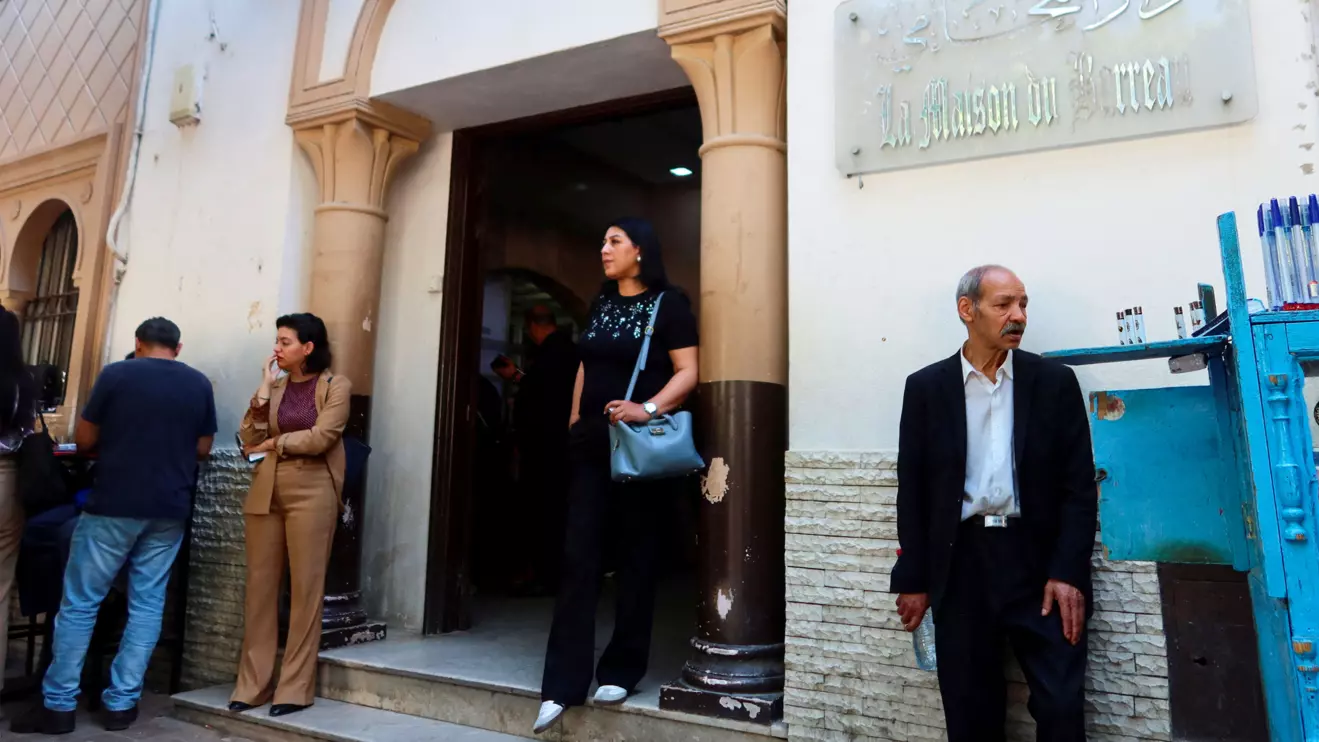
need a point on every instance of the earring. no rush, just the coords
(638, 258)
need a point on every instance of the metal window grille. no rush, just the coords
(49, 316)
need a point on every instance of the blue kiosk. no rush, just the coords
(1225, 474)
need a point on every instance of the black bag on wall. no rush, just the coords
(41, 477)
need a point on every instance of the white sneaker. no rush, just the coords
(549, 714)
(610, 695)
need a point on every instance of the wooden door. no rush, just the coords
(1213, 659)
(448, 572)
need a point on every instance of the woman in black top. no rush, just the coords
(608, 348)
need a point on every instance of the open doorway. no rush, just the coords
(530, 202)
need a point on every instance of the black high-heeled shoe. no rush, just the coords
(239, 706)
(284, 709)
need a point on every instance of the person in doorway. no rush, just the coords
(148, 421)
(296, 422)
(543, 402)
(997, 510)
(620, 318)
(18, 401)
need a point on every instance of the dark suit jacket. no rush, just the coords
(544, 401)
(1055, 474)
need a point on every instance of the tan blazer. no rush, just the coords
(324, 439)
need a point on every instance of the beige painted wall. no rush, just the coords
(397, 514)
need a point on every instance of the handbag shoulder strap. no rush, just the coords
(645, 348)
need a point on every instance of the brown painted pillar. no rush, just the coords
(354, 152)
(737, 68)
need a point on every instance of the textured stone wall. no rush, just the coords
(215, 584)
(852, 675)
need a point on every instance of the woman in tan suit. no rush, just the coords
(297, 422)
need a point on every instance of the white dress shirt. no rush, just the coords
(991, 481)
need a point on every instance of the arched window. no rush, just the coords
(49, 316)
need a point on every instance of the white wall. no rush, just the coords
(427, 40)
(340, 22)
(397, 515)
(1090, 230)
(219, 226)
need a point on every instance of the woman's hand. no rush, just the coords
(573, 419)
(268, 378)
(627, 412)
(266, 446)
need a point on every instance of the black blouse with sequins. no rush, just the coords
(612, 339)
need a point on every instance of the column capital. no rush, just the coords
(738, 70)
(355, 147)
(685, 21)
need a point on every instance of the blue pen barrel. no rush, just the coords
(1288, 271)
(1293, 221)
(1271, 268)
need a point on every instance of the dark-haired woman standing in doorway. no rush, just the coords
(296, 421)
(635, 279)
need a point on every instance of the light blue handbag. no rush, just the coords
(659, 449)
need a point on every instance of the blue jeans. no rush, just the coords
(100, 547)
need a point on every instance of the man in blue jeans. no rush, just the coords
(149, 421)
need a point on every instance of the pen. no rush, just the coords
(1310, 212)
(1271, 279)
(1301, 244)
(1288, 274)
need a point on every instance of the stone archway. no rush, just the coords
(18, 275)
(41, 276)
(78, 177)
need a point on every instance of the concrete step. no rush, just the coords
(328, 720)
(403, 676)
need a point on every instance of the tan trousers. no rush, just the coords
(11, 533)
(300, 524)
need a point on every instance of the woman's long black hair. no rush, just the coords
(642, 233)
(17, 390)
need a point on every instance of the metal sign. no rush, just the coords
(923, 82)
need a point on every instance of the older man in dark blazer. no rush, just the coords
(997, 509)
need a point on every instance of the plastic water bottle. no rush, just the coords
(923, 639)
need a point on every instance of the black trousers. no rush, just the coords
(639, 509)
(991, 597)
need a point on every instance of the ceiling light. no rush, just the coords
(681, 172)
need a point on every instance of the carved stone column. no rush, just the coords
(736, 64)
(354, 150)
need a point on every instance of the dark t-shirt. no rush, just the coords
(150, 411)
(612, 341)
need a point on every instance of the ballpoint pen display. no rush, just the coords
(1290, 244)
